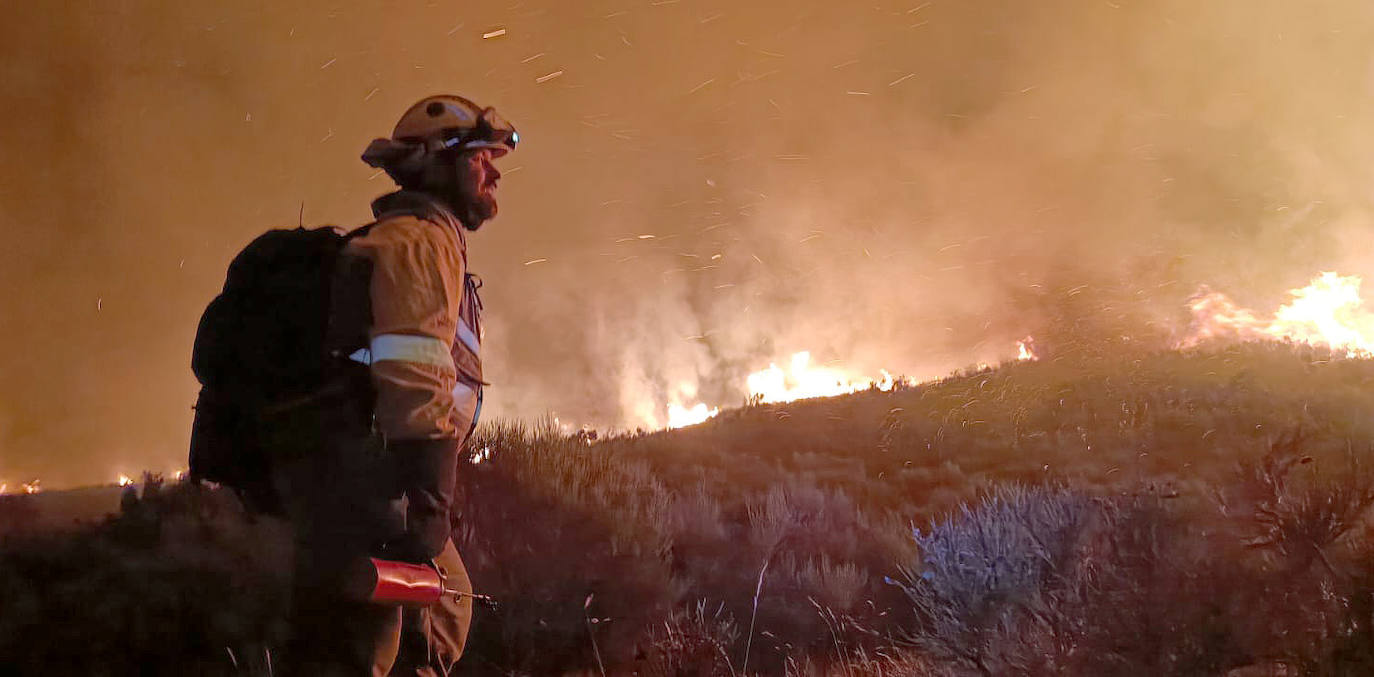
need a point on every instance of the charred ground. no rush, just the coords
(1139, 513)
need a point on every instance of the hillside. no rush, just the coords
(1182, 418)
(74, 508)
(1164, 513)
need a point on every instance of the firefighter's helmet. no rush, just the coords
(447, 121)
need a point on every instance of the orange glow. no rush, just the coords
(802, 381)
(680, 416)
(1327, 312)
(125, 480)
(774, 384)
(32, 487)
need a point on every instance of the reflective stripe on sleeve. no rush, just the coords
(407, 348)
(469, 339)
(464, 395)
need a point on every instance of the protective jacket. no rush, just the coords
(401, 289)
(424, 330)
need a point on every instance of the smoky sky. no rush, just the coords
(703, 186)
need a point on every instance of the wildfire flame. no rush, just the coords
(481, 455)
(680, 416)
(1327, 312)
(125, 480)
(802, 381)
(32, 487)
(774, 384)
(3, 488)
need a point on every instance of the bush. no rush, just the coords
(983, 568)
(1077, 518)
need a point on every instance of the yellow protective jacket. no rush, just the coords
(424, 330)
(400, 289)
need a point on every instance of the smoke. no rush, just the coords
(940, 181)
(911, 187)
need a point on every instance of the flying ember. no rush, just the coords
(1327, 312)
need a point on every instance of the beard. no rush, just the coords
(479, 209)
(471, 209)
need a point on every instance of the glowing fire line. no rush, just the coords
(802, 380)
(1327, 312)
(680, 416)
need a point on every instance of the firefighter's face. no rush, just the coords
(475, 184)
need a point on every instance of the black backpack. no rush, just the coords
(270, 383)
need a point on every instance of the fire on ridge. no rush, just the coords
(1328, 312)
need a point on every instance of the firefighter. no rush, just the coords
(386, 487)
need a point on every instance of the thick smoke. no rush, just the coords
(910, 187)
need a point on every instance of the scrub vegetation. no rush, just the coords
(1204, 512)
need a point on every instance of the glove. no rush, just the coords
(427, 471)
(404, 548)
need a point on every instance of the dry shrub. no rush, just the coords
(693, 641)
(1099, 575)
(173, 586)
(1046, 581)
(546, 523)
(981, 570)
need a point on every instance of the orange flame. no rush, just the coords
(481, 455)
(803, 381)
(1327, 312)
(680, 416)
(800, 380)
(774, 384)
(32, 487)
(125, 480)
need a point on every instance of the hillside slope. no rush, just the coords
(1165, 513)
(1180, 418)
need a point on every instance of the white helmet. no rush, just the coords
(447, 121)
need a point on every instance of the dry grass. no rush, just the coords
(1146, 514)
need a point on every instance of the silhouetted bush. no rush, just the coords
(1150, 515)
